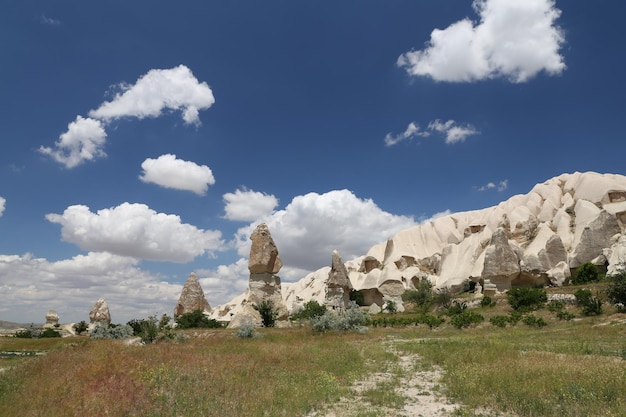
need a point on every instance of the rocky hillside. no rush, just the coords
(539, 237)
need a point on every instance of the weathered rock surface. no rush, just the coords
(100, 312)
(338, 286)
(191, 298)
(539, 237)
(264, 285)
(52, 319)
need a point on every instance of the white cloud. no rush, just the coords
(159, 89)
(49, 21)
(313, 225)
(137, 231)
(451, 130)
(412, 130)
(169, 172)
(224, 283)
(513, 39)
(501, 186)
(72, 286)
(83, 141)
(2, 205)
(248, 205)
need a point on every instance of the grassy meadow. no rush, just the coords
(568, 367)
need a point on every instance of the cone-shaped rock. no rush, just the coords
(191, 298)
(100, 312)
(338, 285)
(263, 253)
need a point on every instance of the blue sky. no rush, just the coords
(144, 140)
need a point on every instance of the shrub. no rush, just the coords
(526, 298)
(616, 290)
(487, 302)
(456, 308)
(311, 309)
(515, 317)
(442, 298)
(104, 331)
(31, 332)
(246, 330)
(268, 313)
(351, 319)
(432, 321)
(80, 327)
(196, 319)
(531, 320)
(422, 296)
(589, 304)
(586, 273)
(390, 306)
(565, 315)
(555, 306)
(48, 332)
(466, 319)
(499, 321)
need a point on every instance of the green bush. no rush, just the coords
(466, 319)
(31, 332)
(442, 298)
(48, 332)
(589, 304)
(390, 306)
(80, 327)
(499, 321)
(565, 315)
(531, 320)
(104, 331)
(456, 308)
(527, 299)
(515, 317)
(196, 319)
(487, 302)
(422, 296)
(311, 309)
(586, 273)
(357, 297)
(616, 290)
(351, 319)
(555, 306)
(432, 321)
(268, 313)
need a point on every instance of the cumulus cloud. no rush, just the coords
(158, 90)
(500, 186)
(451, 131)
(137, 231)
(513, 39)
(248, 205)
(225, 282)
(412, 130)
(72, 286)
(2, 205)
(313, 225)
(83, 141)
(169, 172)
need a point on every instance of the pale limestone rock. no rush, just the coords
(52, 319)
(560, 274)
(191, 298)
(264, 256)
(338, 285)
(100, 312)
(594, 237)
(374, 309)
(501, 265)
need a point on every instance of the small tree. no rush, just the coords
(268, 313)
(196, 319)
(586, 273)
(422, 296)
(390, 307)
(589, 304)
(526, 298)
(311, 309)
(80, 327)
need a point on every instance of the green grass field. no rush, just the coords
(573, 368)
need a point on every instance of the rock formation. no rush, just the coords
(264, 285)
(538, 238)
(100, 313)
(191, 298)
(52, 319)
(338, 286)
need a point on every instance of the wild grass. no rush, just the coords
(574, 368)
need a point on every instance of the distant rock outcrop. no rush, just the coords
(52, 319)
(538, 238)
(100, 313)
(264, 285)
(191, 298)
